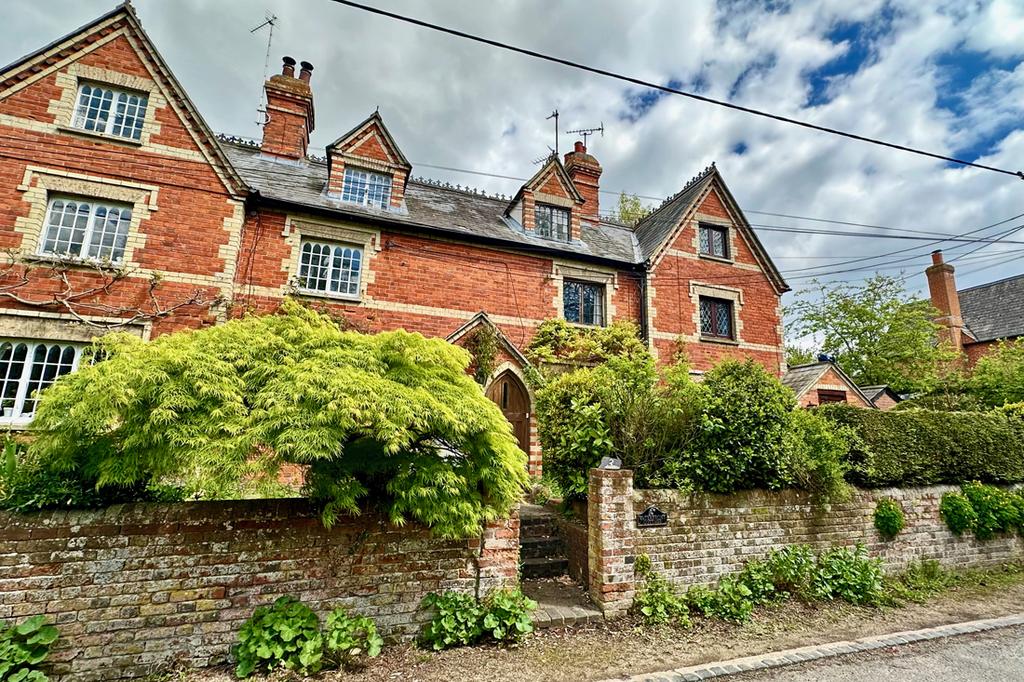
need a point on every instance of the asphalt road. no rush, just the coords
(996, 656)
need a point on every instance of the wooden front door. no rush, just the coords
(511, 396)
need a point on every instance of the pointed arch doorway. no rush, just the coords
(510, 395)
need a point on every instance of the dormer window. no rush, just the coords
(552, 222)
(110, 111)
(366, 188)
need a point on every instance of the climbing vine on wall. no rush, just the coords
(482, 344)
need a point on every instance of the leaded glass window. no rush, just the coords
(716, 318)
(714, 241)
(551, 222)
(583, 302)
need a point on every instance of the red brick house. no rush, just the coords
(974, 320)
(120, 207)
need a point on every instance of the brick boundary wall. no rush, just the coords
(710, 536)
(135, 589)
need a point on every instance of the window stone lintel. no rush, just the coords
(40, 325)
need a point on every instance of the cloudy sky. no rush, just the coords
(944, 76)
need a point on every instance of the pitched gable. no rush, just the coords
(115, 50)
(705, 195)
(368, 146)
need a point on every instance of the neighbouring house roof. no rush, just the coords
(123, 16)
(428, 205)
(803, 378)
(875, 392)
(995, 310)
(655, 230)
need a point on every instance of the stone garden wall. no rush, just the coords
(138, 588)
(709, 536)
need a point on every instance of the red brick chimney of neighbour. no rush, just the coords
(585, 172)
(289, 119)
(942, 288)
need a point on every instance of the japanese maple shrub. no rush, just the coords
(392, 419)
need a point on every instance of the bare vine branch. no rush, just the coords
(15, 277)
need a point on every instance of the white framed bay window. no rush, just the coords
(329, 268)
(28, 367)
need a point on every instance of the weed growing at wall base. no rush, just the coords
(656, 602)
(460, 619)
(24, 648)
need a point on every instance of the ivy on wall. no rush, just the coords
(482, 345)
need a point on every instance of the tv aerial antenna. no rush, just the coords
(586, 132)
(270, 21)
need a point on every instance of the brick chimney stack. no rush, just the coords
(289, 112)
(942, 288)
(585, 172)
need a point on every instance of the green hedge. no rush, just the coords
(924, 447)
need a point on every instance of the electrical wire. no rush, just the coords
(670, 90)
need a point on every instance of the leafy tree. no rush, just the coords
(998, 377)
(795, 355)
(392, 419)
(878, 333)
(630, 210)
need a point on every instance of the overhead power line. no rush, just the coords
(670, 90)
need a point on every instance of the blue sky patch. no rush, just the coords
(957, 71)
(639, 102)
(860, 38)
(740, 148)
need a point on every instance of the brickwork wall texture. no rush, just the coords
(137, 588)
(709, 536)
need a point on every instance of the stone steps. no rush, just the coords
(544, 567)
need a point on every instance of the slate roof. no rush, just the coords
(802, 378)
(876, 392)
(429, 206)
(995, 310)
(653, 230)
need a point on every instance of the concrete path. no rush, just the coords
(941, 648)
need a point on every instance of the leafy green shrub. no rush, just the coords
(507, 615)
(818, 450)
(457, 621)
(923, 447)
(283, 635)
(460, 619)
(27, 486)
(889, 519)
(656, 602)
(995, 509)
(958, 513)
(558, 341)
(24, 648)
(391, 418)
(742, 442)
(848, 574)
(347, 639)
